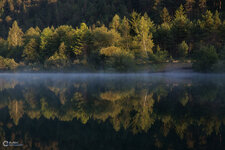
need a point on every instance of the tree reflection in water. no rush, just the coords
(99, 112)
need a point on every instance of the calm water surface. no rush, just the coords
(172, 111)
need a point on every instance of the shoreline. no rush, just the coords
(182, 67)
(163, 68)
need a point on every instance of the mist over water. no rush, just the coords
(138, 76)
(113, 111)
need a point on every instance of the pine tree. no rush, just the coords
(208, 21)
(62, 51)
(222, 33)
(180, 14)
(125, 32)
(164, 37)
(47, 44)
(189, 6)
(115, 24)
(165, 16)
(15, 36)
(135, 18)
(144, 36)
(59, 59)
(1, 11)
(30, 52)
(60, 54)
(217, 20)
(181, 25)
(183, 49)
(125, 27)
(31, 32)
(202, 5)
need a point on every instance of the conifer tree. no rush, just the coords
(125, 27)
(15, 36)
(144, 36)
(31, 32)
(183, 49)
(181, 25)
(30, 52)
(208, 21)
(62, 51)
(115, 24)
(202, 5)
(217, 21)
(189, 6)
(180, 14)
(59, 59)
(47, 43)
(125, 32)
(135, 18)
(165, 16)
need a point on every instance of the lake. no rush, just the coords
(168, 111)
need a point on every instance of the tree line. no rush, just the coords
(126, 43)
(45, 13)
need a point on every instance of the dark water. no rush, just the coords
(113, 112)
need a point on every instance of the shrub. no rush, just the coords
(183, 49)
(159, 57)
(222, 53)
(7, 64)
(117, 58)
(205, 58)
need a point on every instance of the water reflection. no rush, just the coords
(113, 112)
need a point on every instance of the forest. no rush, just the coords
(103, 35)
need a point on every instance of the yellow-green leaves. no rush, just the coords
(15, 37)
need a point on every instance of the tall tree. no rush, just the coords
(48, 43)
(115, 24)
(144, 36)
(59, 59)
(183, 49)
(217, 20)
(202, 5)
(180, 25)
(165, 16)
(189, 7)
(31, 33)
(135, 18)
(125, 32)
(30, 52)
(15, 36)
(208, 21)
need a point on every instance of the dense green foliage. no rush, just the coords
(183, 49)
(45, 13)
(164, 29)
(206, 57)
(7, 64)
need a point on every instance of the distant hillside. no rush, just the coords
(43, 13)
